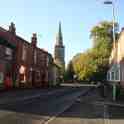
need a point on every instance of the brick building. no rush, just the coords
(23, 64)
(6, 60)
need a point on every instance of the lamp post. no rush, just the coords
(108, 2)
(113, 14)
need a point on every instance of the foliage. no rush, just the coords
(69, 73)
(93, 64)
(103, 31)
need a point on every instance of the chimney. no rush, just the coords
(12, 28)
(34, 40)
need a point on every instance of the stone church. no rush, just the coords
(59, 50)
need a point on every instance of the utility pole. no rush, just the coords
(114, 40)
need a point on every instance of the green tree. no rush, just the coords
(84, 67)
(69, 73)
(93, 64)
(103, 31)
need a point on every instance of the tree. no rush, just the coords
(84, 67)
(93, 64)
(69, 73)
(103, 31)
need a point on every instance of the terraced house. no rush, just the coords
(22, 63)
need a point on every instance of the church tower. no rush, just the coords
(59, 50)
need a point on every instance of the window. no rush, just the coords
(117, 75)
(8, 53)
(24, 53)
(122, 74)
(112, 75)
(1, 77)
(108, 76)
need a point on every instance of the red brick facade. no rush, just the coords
(28, 65)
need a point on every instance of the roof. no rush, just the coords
(8, 35)
(2, 29)
(20, 38)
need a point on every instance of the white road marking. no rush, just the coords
(66, 107)
(109, 103)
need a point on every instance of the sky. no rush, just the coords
(42, 17)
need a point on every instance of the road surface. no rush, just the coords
(41, 108)
(64, 105)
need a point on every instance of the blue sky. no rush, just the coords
(42, 16)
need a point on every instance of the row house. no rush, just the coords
(6, 59)
(22, 64)
(116, 71)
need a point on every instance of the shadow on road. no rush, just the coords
(52, 104)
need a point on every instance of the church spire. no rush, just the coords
(60, 31)
(59, 38)
(59, 51)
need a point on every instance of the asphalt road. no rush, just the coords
(83, 111)
(63, 105)
(91, 109)
(40, 109)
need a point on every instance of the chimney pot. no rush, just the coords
(12, 28)
(34, 40)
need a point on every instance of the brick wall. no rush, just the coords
(35, 69)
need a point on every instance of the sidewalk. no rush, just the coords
(107, 99)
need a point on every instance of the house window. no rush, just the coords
(1, 77)
(24, 53)
(108, 76)
(117, 75)
(8, 53)
(112, 75)
(122, 75)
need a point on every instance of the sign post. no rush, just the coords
(114, 91)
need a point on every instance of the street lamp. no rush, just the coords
(113, 14)
(108, 2)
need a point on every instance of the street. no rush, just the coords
(62, 62)
(91, 109)
(83, 111)
(41, 108)
(63, 105)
